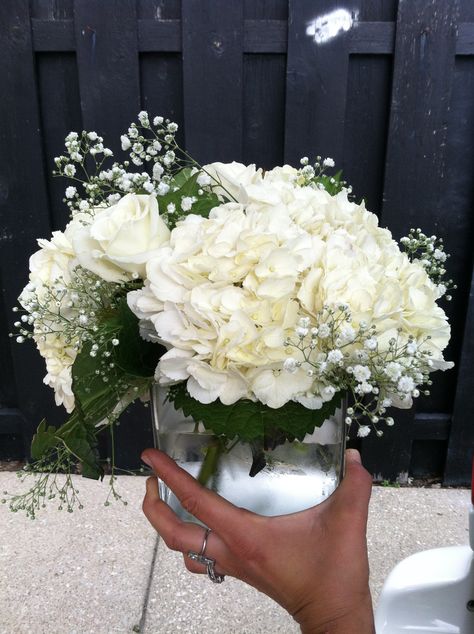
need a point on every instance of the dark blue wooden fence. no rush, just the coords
(391, 99)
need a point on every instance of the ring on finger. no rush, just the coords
(206, 561)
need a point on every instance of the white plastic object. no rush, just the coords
(431, 592)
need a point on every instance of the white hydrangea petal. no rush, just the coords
(173, 366)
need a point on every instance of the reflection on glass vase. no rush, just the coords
(290, 477)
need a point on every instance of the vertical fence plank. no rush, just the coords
(162, 87)
(316, 86)
(461, 438)
(368, 107)
(108, 65)
(264, 93)
(414, 175)
(59, 103)
(421, 94)
(212, 74)
(107, 57)
(264, 110)
(23, 197)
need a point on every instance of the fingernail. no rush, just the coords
(146, 460)
(352, 455)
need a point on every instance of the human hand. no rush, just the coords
(313, 563)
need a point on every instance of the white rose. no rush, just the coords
(121, 239)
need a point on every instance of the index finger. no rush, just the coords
(207, 506)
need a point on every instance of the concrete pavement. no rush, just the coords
(101, 570)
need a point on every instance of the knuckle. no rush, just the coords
(174, 540)
(146, 506)
(190, 504)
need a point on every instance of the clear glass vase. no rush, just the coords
(296, 476)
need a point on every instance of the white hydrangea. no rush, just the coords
(225, 292)
(50, 270)
(59, 359)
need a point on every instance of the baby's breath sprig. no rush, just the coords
(429, 251)
(150, 144)
(343, 356)
(53, 481)
(84, 164)
(175, 159)
(70, 311)
(314, 175)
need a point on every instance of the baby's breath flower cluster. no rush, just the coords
(314, 175)
(54, 482)
(345, 357)
(429, 251)
(149, 144)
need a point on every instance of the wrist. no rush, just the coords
(358, 619)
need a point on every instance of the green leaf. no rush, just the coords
(251, 421)
(82, 444)
(180, 178)
(332, 184)
(78, 440)
(43, 441)
(93, 396)
(134, 355)
(188, 186)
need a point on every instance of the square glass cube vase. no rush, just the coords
(296, 475)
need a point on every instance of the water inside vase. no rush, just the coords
(297, 475)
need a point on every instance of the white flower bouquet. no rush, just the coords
(259, 299)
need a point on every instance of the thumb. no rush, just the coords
(356, 486)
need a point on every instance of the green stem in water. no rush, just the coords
(210, 463)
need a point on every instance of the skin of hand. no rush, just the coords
(313, 563)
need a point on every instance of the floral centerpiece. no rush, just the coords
(257, 299)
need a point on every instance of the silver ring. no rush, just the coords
(204, 543)
(206, 561)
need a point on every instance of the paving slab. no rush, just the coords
(84, 572)
(89, 572)
(403, 521)
(182, 602)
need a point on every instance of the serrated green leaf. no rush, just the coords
(83, 446)
(252, 421)
(43, 440)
